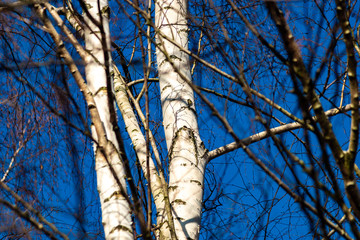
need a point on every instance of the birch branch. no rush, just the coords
(28, 217)
(298, 67)
(343, 16)
(265, 134)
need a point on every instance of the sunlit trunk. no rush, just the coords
(116, 216)
(186, 168)
(139, 143)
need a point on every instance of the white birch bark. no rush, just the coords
(186, 151)
(116, 215)
(157, 181)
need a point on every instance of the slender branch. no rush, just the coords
(347, 168)
(21, 145)
(298, 67)
(332, 230)
(25, 214)
(257, 34)
(343, 16)
(288, 190)
(265, 134)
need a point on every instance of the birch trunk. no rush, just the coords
(186, 151)
(116, 215)
(157, 181)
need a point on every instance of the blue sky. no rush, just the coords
(55, 169)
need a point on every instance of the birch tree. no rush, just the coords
(186, 151)
(116, 214)
(211, 119)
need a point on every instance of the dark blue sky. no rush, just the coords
(55, 168)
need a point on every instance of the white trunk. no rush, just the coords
(136, 136)
(185, 148)
(116, 215)
(139, 143)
